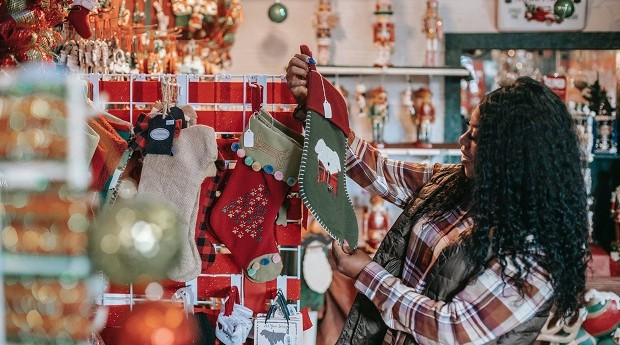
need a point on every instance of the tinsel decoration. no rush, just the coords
(26, 31)
(216, 28)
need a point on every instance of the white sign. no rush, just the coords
(159, 134)
(277, 331)
(538, 15)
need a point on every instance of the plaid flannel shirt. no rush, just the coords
(484, 310)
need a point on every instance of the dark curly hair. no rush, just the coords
(528, 184)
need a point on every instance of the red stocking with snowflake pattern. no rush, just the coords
(244, 216)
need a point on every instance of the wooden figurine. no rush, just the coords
(424, 116)
(434, 33)
(324, 21)
(378, 113)
(377, 223)
(383, 33)
(615, 211)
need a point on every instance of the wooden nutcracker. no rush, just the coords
(384, 34)
(162, 19)
(324, 21)
(424, 116)
(360, 99)
(407, 101)
(378, 113)
(433, 32)
(615, 211)
(377, 223)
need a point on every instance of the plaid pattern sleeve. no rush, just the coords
(481, 312)
(395, 181)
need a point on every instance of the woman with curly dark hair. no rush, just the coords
(485, 249)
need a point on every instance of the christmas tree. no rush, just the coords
(597, 99)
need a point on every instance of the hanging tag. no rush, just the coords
(248, 138)
(327, 110)
(115, 176)
(160, 136)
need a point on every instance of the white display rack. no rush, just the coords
(183, 80)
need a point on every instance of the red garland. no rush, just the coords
(26, 30)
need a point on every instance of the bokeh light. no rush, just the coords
(135, 240)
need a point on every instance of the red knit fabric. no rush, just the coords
(118, 126)
(243, 217)
(320, 89)
(7, 27)
(108, 153)
(78, 18)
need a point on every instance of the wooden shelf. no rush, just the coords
(445, 71)
(606, 156)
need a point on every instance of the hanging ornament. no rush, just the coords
(277, 12)
(158, 323)
(564, 8)
(135, 240)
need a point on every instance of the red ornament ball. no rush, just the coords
(603, 318)
(8, 61)
(158, 323)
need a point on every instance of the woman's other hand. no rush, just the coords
(349, 262)
(296, 74)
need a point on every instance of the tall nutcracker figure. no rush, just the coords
(378, 113)
(383, 32)
(377, 223)
(424, 116)
(615, 211)
(324, 20)
(433, 32)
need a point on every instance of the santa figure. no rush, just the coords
(383, 30)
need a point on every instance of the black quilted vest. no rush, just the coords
(448, 275)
